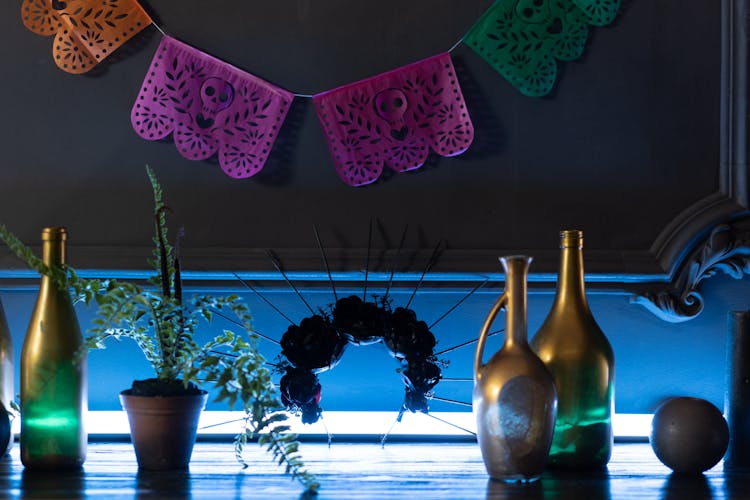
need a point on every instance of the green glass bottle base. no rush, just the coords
(581, 446)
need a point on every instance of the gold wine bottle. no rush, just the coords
(581, 361)
(6, 374)
(53, 378)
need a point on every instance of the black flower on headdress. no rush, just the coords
(313, 345)
(301, 393)
(409, 337)
(362, 322)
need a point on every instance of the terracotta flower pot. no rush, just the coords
(163, 429)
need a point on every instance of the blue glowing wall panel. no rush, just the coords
(654, 359)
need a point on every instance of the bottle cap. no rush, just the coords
(571, 239)
(54, 234)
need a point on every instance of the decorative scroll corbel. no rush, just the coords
(727, 249)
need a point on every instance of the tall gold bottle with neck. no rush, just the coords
(6, 375)
(514, 396)
(53, 379)
(580, 358)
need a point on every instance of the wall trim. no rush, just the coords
(714, 234)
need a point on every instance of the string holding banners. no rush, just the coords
(86, 31)
(209, 106)
(395, 118)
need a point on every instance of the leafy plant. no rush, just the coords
(162, 324)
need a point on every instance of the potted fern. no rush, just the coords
(163, 324)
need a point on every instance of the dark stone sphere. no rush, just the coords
(689, 435)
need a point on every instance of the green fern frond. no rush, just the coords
(26, 254)
(161, 324)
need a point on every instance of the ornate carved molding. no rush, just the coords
(731, 198)
(727, 249)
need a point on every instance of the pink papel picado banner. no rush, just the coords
(394, 119)
(209, 106)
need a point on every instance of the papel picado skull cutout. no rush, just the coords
(391, 105)
(216, 95)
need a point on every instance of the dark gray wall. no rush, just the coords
(626, 147)
(627, 140)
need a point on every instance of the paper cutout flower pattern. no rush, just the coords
(523, 39)
(209, 106)
(86, 31)
(394, 119)
(599, 12)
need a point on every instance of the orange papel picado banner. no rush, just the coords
(86, 31)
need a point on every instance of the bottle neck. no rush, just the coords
(516, 272)
(570, 283)
(53, 250)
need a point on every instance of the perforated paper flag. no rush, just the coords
(86, 31)
(394, 119)
(209, 106)
(522, 39)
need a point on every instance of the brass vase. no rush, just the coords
(514, 396)
(53, 378)
(581, 361)
(6, 378)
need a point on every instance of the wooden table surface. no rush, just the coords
(361, 470)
